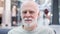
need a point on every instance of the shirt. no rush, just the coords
(38, 30)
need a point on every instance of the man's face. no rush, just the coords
(29, 15)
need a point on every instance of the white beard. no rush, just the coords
(29, 24)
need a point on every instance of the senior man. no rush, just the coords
(30, 14)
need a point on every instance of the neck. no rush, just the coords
(29, 28)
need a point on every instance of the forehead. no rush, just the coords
(30, 6)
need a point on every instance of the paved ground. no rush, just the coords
(57, 28)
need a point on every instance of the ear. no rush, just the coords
(39, 14)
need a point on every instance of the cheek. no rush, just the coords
(35, 16)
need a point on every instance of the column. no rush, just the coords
(7, 14)
(55, 11)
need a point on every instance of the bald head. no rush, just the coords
(30, 5)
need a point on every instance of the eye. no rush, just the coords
(24, 12)
(31, 12)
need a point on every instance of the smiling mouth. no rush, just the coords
(28, 21)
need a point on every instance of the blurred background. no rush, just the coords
(10, 14)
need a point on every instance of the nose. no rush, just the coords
(27, 14)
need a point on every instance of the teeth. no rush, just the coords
(27, 18)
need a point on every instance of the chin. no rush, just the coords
(27, 24)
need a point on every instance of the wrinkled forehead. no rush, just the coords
(30, 5)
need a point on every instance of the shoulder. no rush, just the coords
(15, 30)
(48, 29)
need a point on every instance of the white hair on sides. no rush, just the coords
(30, 2)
